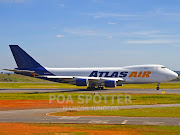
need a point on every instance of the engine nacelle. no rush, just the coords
(110, 83)
(82, 82)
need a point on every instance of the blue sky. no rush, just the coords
(92, 33)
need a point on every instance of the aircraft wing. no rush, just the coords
(100, 78)
(88, 78)
(59, 77)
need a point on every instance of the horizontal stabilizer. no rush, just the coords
(15, 70)
(22, 71)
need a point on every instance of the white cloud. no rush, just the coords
(80, 32)
(176, 45)
(54, 28)
(106, 15)
(98, 1)
(61, 5)
(147, 37)
(13, 1)
(90, 31)
(142, 15)
(59, 36)
(153, 41)
(109, 37)
(111, 23)
(160, 12)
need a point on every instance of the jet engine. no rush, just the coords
(110, 83)
(82, 82)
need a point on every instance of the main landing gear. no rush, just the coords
(95, 88)
(158, 86)
(100, 88)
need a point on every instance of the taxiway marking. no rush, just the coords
(68, 118)
(124, 122)
(98, 121)
(154, 123)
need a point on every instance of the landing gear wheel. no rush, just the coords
(91, 88)
(158, 86)
(101, 88)
(95, 88)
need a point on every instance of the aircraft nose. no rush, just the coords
(174, 75)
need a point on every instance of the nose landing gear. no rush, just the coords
(157, 88)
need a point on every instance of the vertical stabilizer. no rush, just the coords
(23, 60)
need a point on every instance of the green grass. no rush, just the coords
(37, 86)
(18, 78)
(63, 85)
(136, 99)
(143, 112)
(138, 129)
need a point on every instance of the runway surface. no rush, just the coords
(131, 91)
(42, 116)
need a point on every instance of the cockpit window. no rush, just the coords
(163, 67)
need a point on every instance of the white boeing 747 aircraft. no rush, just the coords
(93, 78)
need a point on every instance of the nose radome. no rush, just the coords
(174, 75)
